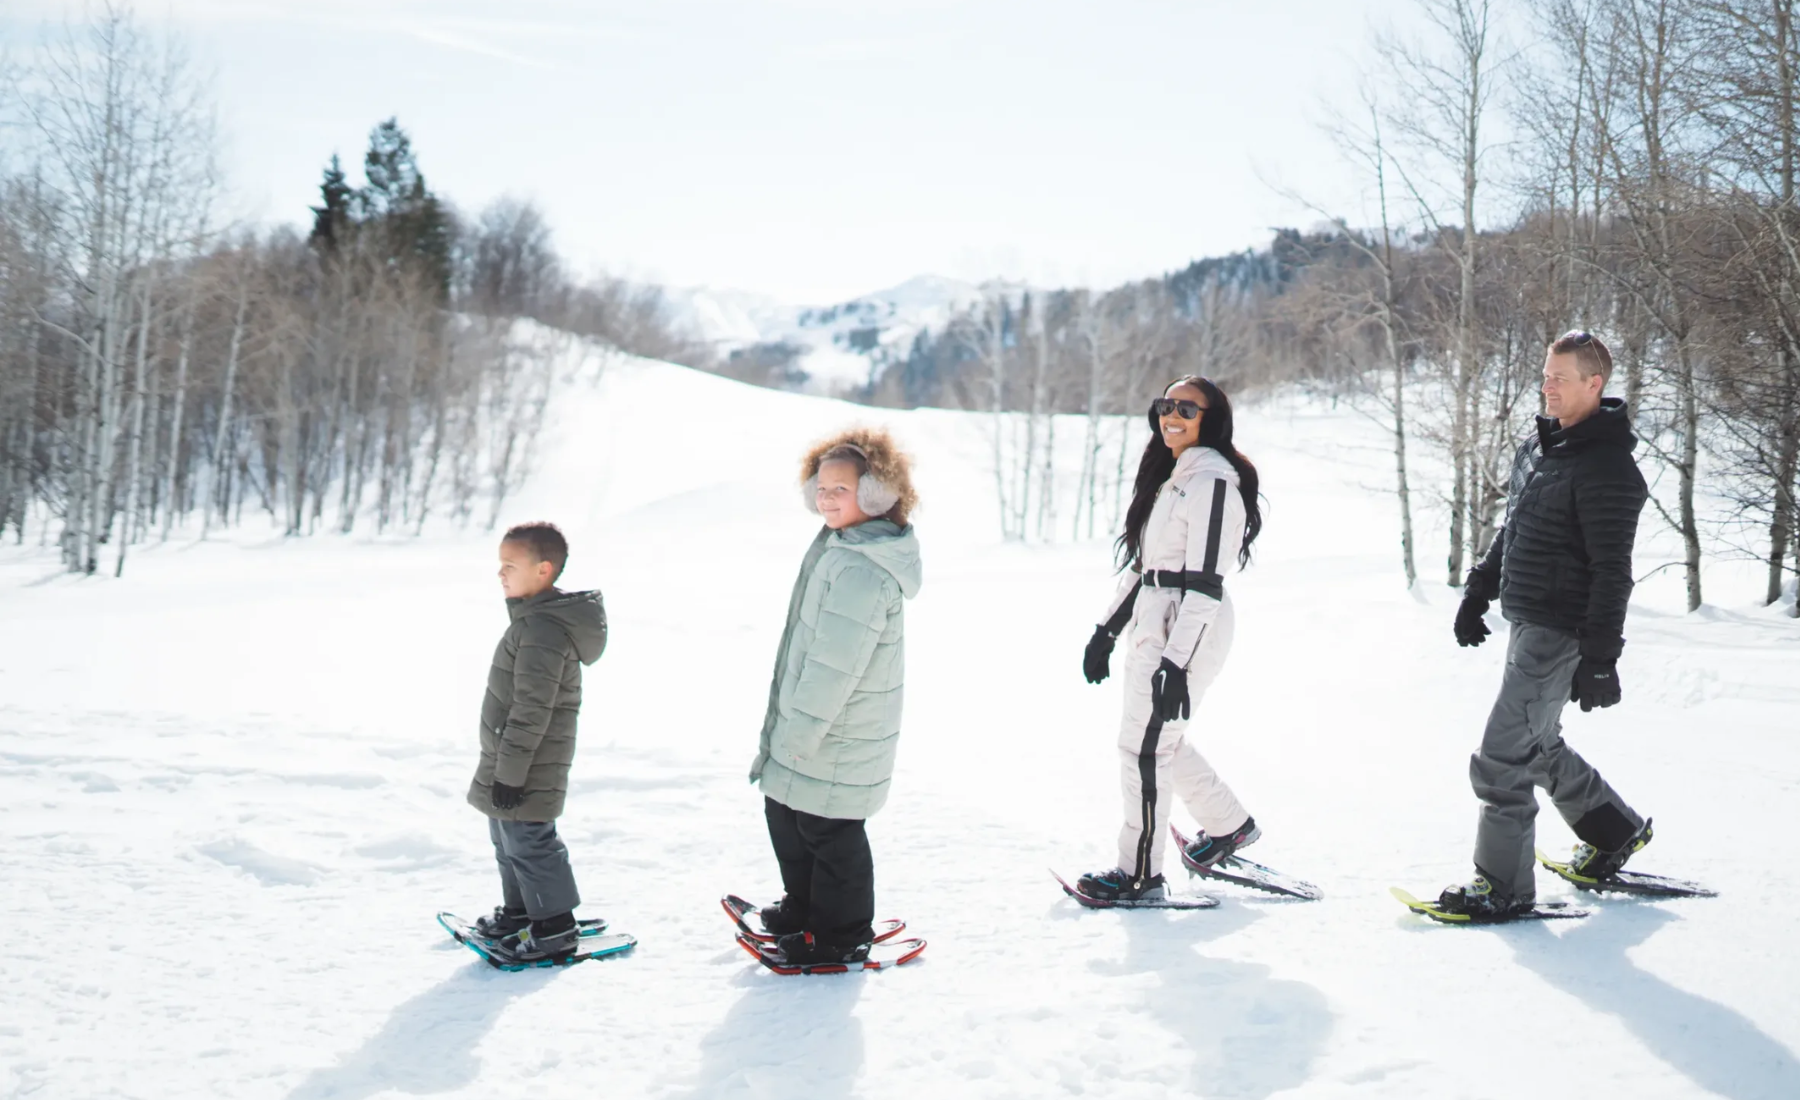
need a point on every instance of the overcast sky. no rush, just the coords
(807, 149)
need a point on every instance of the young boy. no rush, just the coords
(528, 741)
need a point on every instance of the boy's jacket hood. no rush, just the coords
(581, 614)
(894, 548)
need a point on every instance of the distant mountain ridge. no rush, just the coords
(839, 347)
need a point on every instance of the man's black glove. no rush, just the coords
(1596, 684)
(507, 798)
(1096, 662)
(1168, 692)
(1471, 628)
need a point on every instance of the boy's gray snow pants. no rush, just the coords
(534, 868)
(1522, 749)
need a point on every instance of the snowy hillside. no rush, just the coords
(843, 343)
(231, 799)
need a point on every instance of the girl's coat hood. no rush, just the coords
(887, 544)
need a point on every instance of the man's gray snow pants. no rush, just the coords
(1523, 749)
(534, 868)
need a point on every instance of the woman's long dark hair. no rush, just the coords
(1159, 462)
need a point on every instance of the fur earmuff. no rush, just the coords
(872, 496)
(885, 487)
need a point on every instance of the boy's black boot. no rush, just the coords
(783, 918)
(1116, 885)
(1206, 850)
(804, 949)
(502, 922)
(551, 938)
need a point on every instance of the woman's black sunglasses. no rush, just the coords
(1189, 410)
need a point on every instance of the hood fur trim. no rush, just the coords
(886, 491)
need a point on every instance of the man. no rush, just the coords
(1561, 567)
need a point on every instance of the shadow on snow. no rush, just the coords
(1252, 1035)
(1716, 1047)
(429, 1042)
(785, 1036)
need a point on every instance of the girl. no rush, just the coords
(1193, 515)
(833, 722)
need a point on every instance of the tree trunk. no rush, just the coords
(1088, 491)
(102, 505)
(221, 472)
(995, 338)
(133, 466)
(1689, 468)
(1459, 490)
(175, 418)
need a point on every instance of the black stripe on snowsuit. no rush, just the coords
(1116, 625)
(1147, 785)
(1211, 583)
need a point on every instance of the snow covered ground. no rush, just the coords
(231, 798)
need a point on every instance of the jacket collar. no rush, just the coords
(1608, 425)
(1200, 455)
(517, 606)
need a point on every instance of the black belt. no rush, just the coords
(1188, 580)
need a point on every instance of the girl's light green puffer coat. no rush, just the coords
(833, 723)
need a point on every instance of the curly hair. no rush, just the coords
(877, 458)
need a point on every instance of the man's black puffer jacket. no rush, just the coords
(1563, 559)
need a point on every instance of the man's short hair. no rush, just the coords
(546, 543)
(1590, 354)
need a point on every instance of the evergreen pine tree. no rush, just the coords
(415, 226)
(332, 220)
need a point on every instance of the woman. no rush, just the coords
(833, 722)
(1193, 514)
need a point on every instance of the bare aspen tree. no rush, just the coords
(986, 334)
(1448, 85)
(1652, 42)
(1563, 104)
(1095, 335)
(1380, 306)
(518, 381)
(119, 120)
(28, 389)
(1749, 64)
(218, 491)
(172, 463)
(1042, 412)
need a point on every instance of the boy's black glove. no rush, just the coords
(506, 797)
(1168, 692)
(1596, 684)
(1096, 663)
(1471, 628)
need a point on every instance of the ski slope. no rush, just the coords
(231, 799)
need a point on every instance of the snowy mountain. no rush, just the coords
(839, 346)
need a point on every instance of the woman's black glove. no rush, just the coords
(507, 798)
(1096, 662)
(1471, 628)
(1168, 692)
(1596, 684)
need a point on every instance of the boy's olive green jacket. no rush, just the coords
(533, 694)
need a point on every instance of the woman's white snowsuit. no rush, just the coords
(1196, 526)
